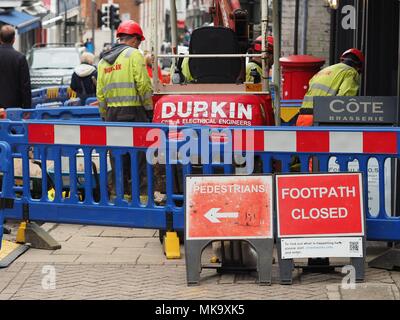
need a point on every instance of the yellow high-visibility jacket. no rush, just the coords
(123, 80)
(336, 80)
(250, 66)
(186, 70)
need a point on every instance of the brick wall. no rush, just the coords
(318, 28)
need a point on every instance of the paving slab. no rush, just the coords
(92, 231)
(128, 232)
(126, 263)
(364, 291)
(81, 251)
(48, 258)
(107, 258)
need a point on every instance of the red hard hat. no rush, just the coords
(356, 52)
(130, 27)
(270, 44)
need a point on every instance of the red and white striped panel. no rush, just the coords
(92, 135)
(316, 141)
(270, 141)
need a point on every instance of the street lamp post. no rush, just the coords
(65, 17)
(65, 21)
(93, 23)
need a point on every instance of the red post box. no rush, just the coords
(297, 70)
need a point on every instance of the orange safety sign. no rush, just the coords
(228, 207)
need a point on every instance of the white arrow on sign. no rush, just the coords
(213, 215)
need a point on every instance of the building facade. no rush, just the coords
(26, 17)
(313, 28)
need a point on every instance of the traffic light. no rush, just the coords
(105, 16)
(114, 16)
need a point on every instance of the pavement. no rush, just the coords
(110, 263)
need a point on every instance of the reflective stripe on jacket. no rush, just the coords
(125, 83)
(336, 80)
(250, 66)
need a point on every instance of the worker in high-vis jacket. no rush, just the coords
(254, 66)
(341, 79)
(124, 88)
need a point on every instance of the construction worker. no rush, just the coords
(341, 79)
(124, 88)
(254, 67)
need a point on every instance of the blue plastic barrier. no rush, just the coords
(73, 209)
(73, 102)
(56, 142)
(53, 104)
(6, 181)
(90, 100)
(62, 113)
(50, 95)
(56, 94)
(38, 97)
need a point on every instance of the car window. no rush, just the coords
(55, 59)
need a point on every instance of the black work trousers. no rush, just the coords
(128, 114)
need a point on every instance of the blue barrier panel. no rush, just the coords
(39, 93)
(57, 94)
(57, 145)
(63, 93)
(62, 113)
(38, 97)
(36, 101)
(90, 100)
(82, 205)
(53, 104)
(73, 102)
(50, 94)
(6, 176)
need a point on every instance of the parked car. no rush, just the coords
(53, 64)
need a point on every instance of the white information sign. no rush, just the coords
(293, 248)
(373, 182)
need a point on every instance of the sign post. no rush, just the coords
(228, 207)
(320, 215)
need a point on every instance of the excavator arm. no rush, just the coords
(229, 14)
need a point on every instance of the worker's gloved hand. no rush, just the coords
(256, 76)
(149, 114)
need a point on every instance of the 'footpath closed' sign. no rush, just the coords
(315, 205)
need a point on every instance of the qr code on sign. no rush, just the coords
(354, 246)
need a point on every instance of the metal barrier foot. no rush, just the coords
(172, 248)
(390, 260)
(38, 238)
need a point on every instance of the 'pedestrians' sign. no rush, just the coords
(228, 207)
